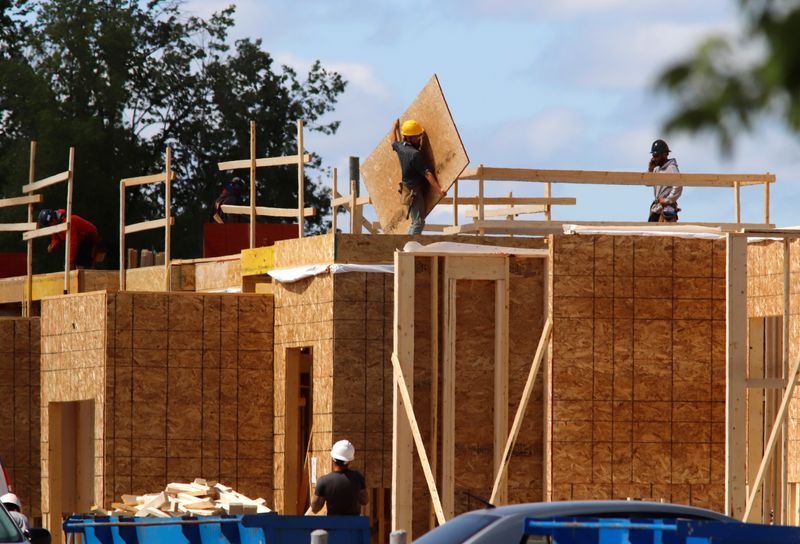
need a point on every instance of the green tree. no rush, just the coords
(120, 80)
(730, 81)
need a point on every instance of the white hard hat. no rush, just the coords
(10, 498)
(343, 451)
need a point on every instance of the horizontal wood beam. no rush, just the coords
(46, 231)
(46, 182)
(346, 200)
(144, 180)
(555, 227)
(19, 200)
(505, 212)
(148, 225)
(264, 161)
(17, 227)
(515, 201)
(601, 177)
(267, 212)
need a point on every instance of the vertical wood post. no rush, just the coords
(403, 347)
(301, 179)
(736, 374)
(448, 394)
(766, 202)
(168, 216)
(334, 194)
(787, 248)
(501, 295)
(737, 202)
(123, 274)
(455, 203)
(548, 192)
(434, 372)
(355, 189)
(353, 206)
(755, 408)
(481, 230)
(26, 308)
(252, 184)
(68, 241)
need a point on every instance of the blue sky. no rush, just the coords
(534, 84)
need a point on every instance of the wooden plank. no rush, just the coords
(483, 267)
(345, 201)
(147, 225)
(521, 409)
(264, 161)
(434, 305)
(28, 288)
(68, 240)
(766, 202)
(266, 211)
(17, 227)
(407, 403)
(737, 202)
(168, 221)
(381, 170)
(500, 226)
(785, 343)
(516, 201)
(500, 412)
(20, 200)
(454, 201)
(403, 349)
(601, 177)
(46, 182)
(301, 182)
(150, 178)
(448, 394)
(251, 211)
(257, 261)
(509, 211)
(773, 437)
(123, 270)
(334, 193)
(46, 231)
(736, 376)
(755, 403)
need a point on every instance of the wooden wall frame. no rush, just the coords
(166, 177)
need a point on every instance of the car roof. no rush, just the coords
(603, 508)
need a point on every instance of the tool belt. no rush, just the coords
(409, 196)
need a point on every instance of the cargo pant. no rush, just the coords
(414, 201)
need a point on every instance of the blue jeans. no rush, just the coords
(416, 212)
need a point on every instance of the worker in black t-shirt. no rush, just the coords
(417, 173)
(343, 489)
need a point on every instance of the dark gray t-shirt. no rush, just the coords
(412, 164)
(341, 491)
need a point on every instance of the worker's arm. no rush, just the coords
(55, 241)
(673, 195)
(434, 182)
(317, 503)
(396, 131)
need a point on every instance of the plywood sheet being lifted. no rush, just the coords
(445, 152)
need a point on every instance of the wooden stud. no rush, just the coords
(511, 212)
(46, 182)
(547, 310)
(737, 202)
(17, 227)
(448, 394)
(334, 208)
(301, 180)
(736, 371)
(28, 295)
(403, 349)
(291, 472)
(773, 437)
(263, 162)
(548, 192)
(353, 208)
(148, 179)
(123, 273)
(19, 200)
(267, 211)
(67, 242)
(514, 201)
(755, 405)
(356, 211)
(521, 409)
(253, 184)
(455, 202)
(480, 197)
(785, 342)
(407, 403)
(501, 326)
(434, 304)
(168, 221)
(766, 201)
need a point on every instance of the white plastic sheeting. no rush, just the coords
(455, 247)
(678, 231)
(289, 275)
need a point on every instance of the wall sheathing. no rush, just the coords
(19, 426)
(765, 299)
(637, 369)
(181, 383)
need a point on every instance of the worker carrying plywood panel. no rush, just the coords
(664, 208)
(417, 172)
(86, 246)
(344, 490)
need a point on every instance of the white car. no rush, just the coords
(3, 479)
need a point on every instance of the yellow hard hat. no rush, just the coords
(411, 128)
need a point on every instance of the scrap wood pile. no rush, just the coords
(199, 498)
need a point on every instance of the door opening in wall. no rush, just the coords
(71, 453)
(298, 410)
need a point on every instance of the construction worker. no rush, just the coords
(665, 206)
(14, 507)
(343, 489)
(86, 245)
(417, 173)
(231, 195)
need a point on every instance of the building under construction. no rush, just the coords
(503, 359)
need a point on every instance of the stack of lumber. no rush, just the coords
(199, 498)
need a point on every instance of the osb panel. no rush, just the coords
(638, 342)
(307, 250)
(218, 275)
(20, 446)
(151, 278)
(445, 152)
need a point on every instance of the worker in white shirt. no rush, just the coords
(14, 507)
(665, 204)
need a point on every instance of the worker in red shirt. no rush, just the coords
(86, 247)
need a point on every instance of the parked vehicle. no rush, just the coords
(507, 523)
(3, 479)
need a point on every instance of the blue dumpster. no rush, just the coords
(253, 529)
(656, 531)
